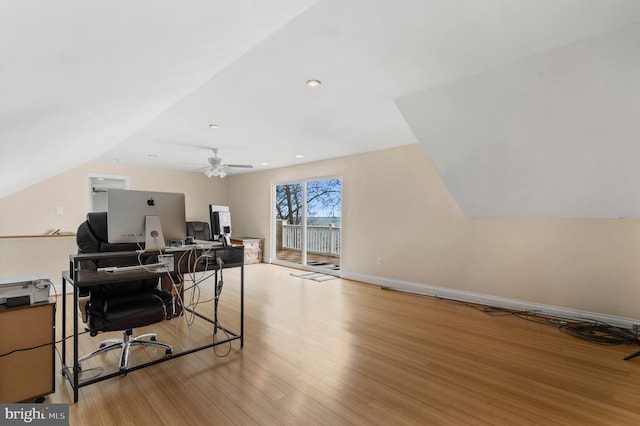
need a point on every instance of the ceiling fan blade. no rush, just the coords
(239, 166)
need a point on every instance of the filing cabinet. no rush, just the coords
(252, 248)
(28, 336)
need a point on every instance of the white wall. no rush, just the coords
(395, 205)
(47, 256)
(32, 211)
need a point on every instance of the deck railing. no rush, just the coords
(320, 239)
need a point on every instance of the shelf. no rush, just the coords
(61, 234)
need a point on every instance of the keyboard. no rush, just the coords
(204, 244)
(155, 267)
(199, 244)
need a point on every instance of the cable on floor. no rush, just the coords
(593, 331)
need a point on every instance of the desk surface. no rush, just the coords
(169, 250)
(231, 256)
(90, 277)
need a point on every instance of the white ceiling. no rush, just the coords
(492, 89)
(553, 135)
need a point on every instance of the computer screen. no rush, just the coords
(220, 223)
(143, 216)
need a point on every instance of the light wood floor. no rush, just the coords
(341, 352)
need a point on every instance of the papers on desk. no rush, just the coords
(154, 267)
(206, 244)
(199, 244)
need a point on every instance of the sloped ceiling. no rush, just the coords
(515, 101)
(552, 135)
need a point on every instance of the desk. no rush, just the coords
(231, 257)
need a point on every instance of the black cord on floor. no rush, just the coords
(603, 334)
(589, 330)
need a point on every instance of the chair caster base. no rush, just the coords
(125, 344)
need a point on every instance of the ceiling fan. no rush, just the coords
(217, 168)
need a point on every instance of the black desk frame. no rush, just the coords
(84, 278)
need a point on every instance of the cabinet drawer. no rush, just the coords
(251, 245)
(250, 258)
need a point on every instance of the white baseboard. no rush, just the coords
(489, 300)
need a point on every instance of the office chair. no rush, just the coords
(119, 306)
(199, 231)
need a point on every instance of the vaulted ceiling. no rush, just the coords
(527, 108)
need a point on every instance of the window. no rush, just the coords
(308, 224)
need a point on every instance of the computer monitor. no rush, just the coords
(145, 217)
(220, 223)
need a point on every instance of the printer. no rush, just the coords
(24, 289)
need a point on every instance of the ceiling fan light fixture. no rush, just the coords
(217, 168)
(215, 171)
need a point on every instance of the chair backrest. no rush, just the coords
(92, 237)
(199, 230)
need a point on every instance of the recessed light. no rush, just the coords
(313, 83)
(299, 156)
(152, 156)
(264, 163)
(214, 126)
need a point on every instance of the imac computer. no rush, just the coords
(220, 224)
(145, 217)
